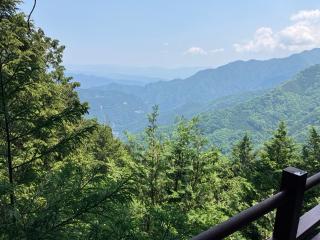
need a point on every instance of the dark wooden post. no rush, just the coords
(288, 214)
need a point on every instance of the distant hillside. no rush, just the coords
(233, 78)
(134, 73)
(91, 81)
(189, 96)
(296, 101)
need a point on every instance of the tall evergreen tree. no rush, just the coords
(185, 152)
(243, 157)
(311, 153)
(48, 187)
(278, 153)
(193, 181)
(39, 110)
(311, 163)
(149, 157)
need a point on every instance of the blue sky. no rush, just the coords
(178, 33)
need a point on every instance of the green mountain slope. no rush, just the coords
(111, 106)
(192, 95)
(296, 101)
(233, 78)
(91, 81)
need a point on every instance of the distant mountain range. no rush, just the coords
(91, 81)
(133, 73)
(297, 102)
(125, 106)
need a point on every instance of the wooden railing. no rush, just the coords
(288, 204)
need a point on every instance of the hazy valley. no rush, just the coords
(220, 96)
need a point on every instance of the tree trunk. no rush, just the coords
(7, 135)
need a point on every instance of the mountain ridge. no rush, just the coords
(201, 88)
(294, 101)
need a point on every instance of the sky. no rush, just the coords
(178, 33)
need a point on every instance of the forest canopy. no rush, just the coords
(63, 176)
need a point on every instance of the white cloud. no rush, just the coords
(201, 51)
(264, 38)
(304, 33)
(217, 50)
(306, 15)
(300, 36)
(196, 51)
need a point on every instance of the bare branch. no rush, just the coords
(34, 6)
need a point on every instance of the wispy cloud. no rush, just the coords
(302, 34)
(201, 51)
(306, 15)
(195, 51)
(217, 50)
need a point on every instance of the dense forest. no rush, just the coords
(125, 106)
(295, 101)
(63, 176)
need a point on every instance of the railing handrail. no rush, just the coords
(313, 181)
(243, 218)
(251, 214)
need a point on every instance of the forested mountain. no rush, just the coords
(91, 81)
(295, 101)
(233, 78)
(130, 111)
(63, 176)
(191, 96)
(141, 74)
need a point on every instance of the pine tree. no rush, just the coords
(8, 8)
(311, 153)
(243, 157)
(149, 155)
(199, 180)
(40, 112)
(50, 183)
(105, 173)
(153, 156)
(277, 154)
(280, 151)
(311, 163)
(184, 155)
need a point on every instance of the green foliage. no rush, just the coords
(207, 90)
(184, 184)
(50, 183)
(8, 8)
(243, 157)
(311, 152)
(277, 153)
(65, 177)
(311, 163)
(295, 101)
